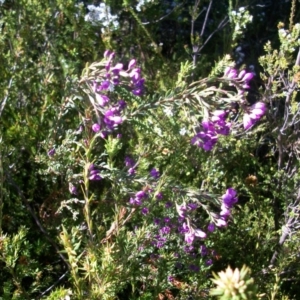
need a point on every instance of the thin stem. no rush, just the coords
(54, 284)
(206, 17)
(165, 16)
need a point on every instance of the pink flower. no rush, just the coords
(255, 112)
(102, 99)
(241, 74)
(189, 237)
(199, 233)
(181, 209)
(221, 223)
(96, 127)
(247, 121)
(131, 64)
(247, 77)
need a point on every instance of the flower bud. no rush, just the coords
(131, 64)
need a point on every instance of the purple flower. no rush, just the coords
(206, 139)
(111, 119)
(258, 110)
(181, 210)
(165, 230)
(72, 189)
(156, 221)
(129, 162)
(255, 112)
(247, 121)
(169, 204)
(218, 115)
(194, 268)
(145, 210)
(223, 127)
(96, 127)
(94, 175)
(241, 74)
(138, 198)
(209, 262)
(247, 77)
(117, 68)
(188, 249)
(141, 194)
(102, 99)
(131, 64)
(230, 73)
(221, 222)
(51, 152)
(137, 92)
(203, 250)
(121, 104)
(107, 53)
(159, 241)
(211, 227)
(154, 173)
(159, 196)
(225, 211)
(184, 228)
(229, 198)
(199, 233)
(189, 237)
(192, 206)
(135, 201)
(103, 86)
(131, 171)
(116, 80)
(135, 74)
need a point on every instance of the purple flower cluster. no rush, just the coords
(111, 112)
(191, 233)
(51, 152)
(111, 117)
(208, 137)
(154, 173)
(165, 227)
(253, 114)
(228, 200)
(94, 174)
(131, 165)
(243, 77)
(136, 81)
(159, 241)
(115, 72)
(138, 198)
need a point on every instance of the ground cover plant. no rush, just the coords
(148, 170)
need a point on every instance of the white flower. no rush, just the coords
(182, 131)
(168, 111)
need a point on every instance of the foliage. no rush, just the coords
(128, 178)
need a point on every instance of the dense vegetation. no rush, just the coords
(146, 146)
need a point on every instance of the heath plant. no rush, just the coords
(138, 223)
